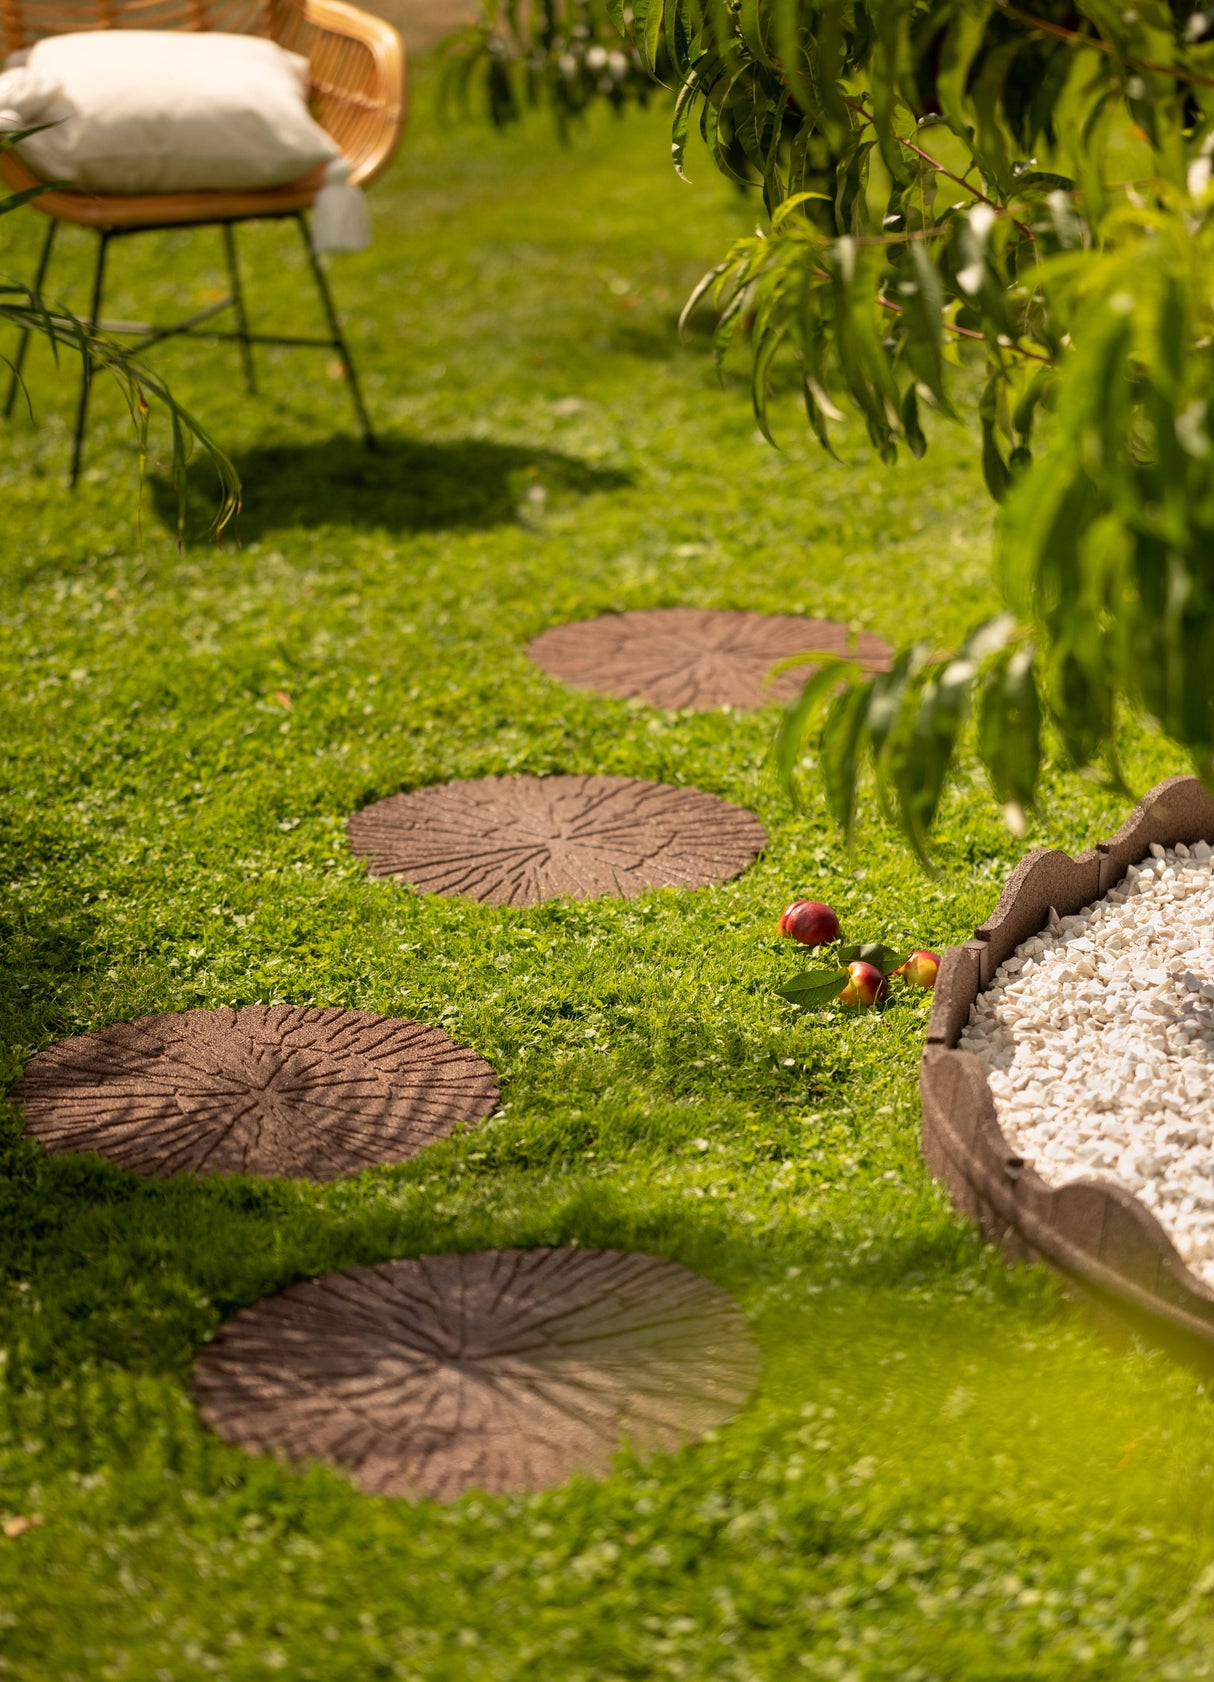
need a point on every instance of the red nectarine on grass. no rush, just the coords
(811, 922)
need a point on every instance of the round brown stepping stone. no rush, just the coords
(503, 1370)
(309, 1094)
(690, 659)
(523, 840)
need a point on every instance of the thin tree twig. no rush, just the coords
(973, 333)
(951, 327)
(981, 197)
(1077, 38)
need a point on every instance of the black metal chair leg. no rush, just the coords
(14, 384)
(339, 343)
(242, 320)
(86, 372)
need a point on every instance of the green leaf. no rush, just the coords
(815, 989)
(649, 16)
(863, 361)
(921, 298)
(910, 423)
(818, 408)
(702, 286)
(1043, 178)
(682, 121)
(727, 325)
(1009, 731)
(995, 471)
(881, 957)
(1037, 390)
(839, 751)
(797, 714)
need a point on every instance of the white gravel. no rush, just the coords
(1098, 1041)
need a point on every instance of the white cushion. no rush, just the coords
(157, 111)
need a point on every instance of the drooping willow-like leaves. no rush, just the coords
(566, 54)
(1027, 188)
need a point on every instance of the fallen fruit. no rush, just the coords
(921, 968)
(866, 987)
(810, 922)
(14, 1527)
(874, 952)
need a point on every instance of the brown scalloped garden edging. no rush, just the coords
(1105, 1243)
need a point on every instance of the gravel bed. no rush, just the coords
(1097, 1036)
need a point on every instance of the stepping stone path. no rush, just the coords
(524, 840)
(695, 659)
(509, 1369)
(506, 1370)
(308, 1094)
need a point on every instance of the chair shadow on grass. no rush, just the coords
(406, 485)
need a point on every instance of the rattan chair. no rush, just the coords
(358, 94)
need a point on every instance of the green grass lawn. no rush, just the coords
(947, 1472)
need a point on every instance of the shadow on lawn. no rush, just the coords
(405, 485)
(140, 1273)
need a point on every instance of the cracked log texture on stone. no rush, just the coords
(505, 1370)
(272, 1090)
(1107, 1245)
(523, 840)
(687, 659)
